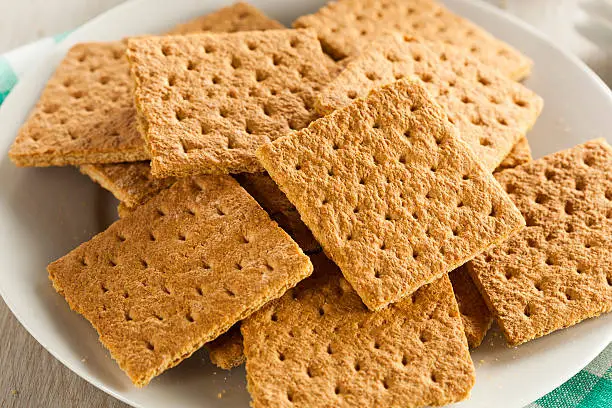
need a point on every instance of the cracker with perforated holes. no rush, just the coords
(177, 272)
(520, 154)
(130, 183)
(86, 112)
(318, 346)
(208, 101)
(391, 193)
(226, 351)
(475, 315)
(491, 111)
(557, 271)
(346, 26)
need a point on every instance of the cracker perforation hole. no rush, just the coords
(351, 94)
(189, 318)
(372, 76)
(149, 346)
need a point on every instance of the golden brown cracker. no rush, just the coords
(557, 271)
(346, 26)
(208, 101)
(226, 351)
(178, 272)
(319, 346)
(520, 154)
(237, 17)
(491, 111)
(130, 183)
(86, 112)
(475, 315)
(391, 193)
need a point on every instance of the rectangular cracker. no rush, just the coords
(208, 101)
(475, 315)
(346, 26)
(130, 183)
(557, 271)
(86, 112)
(491, 111)
(318, 346)
(391, 193)
(226, 351)
(520, 154)
(178, 272)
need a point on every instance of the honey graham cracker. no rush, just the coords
(346, 26)
(177, 272)
(207, 101)
(86, 112)
(391, 193)
(475, 314)
(491, 111)
(319, 346)
(555, 272)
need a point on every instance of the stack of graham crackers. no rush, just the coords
(346, 205)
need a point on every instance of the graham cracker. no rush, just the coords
(86, 112)
(491, 111)
(237, 17)
(557, 271)
(177, 272)
(208, 101)
(475, 315)
(520, 154)
(346, 26)
(318, 346)
(391, 193)
(226, 351)
(130, 183)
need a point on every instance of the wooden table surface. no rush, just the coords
(29, 375)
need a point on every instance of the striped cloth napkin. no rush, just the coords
(591, 387)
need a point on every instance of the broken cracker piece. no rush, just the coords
(475, 315)
(491, 111)
(207, 101)
(318, 346)
(346, 26)
(226, 351)
(178, 272)
(555, 272)
(391, 193)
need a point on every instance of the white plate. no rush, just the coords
(45, 213)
